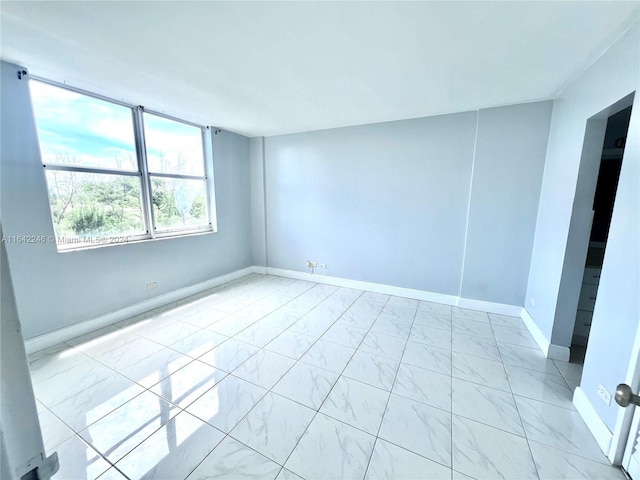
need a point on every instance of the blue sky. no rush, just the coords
(95, 133)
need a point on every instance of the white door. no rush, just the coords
(631, 460)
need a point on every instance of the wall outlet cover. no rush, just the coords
(604, 394)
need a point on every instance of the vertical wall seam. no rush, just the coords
(264, 201)
(466, 228)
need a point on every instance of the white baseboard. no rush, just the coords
(558, 352)
(360, 285)
(444, 299)
(67, 333)
(596, 425)
(491, 307)
(549, 350)
(535, 331)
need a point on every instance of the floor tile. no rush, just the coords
(312, 326)
(431, 358)
(345, 334)
(231, 325)
(368, 368)
(488, 453)
(171, 333)
(329, 356)
(559, 428)
(54, 361)
(433, 319)
(515, 336)
(288, 475)
(486, 405)
(472, 398)
(204, 318)
(93, 403)
(125, 428)
(506, 321)
(189, 383)
(405, 421)
(291, 344)
(274, 426)
(383, 345)
(525, 357)
(129, 354)
(231, 459)
(480, 370)
(475, 328)
(155, 367)
(360, 316)
(280, 318)
(571, 372)
(103, 340)
(226, 403)
(330, 449)
(198, 343)
(173, 451)
(229, 356)
(424, 386)
(69, 382)
(392, 462)
(556, 465)
(78, 461)
(394, 326)
(476, 346)
(306, 384)
(466, 314)
(357, 404)
(438, 309)
(540, 386)
(432, 336)
(54, 430)
(265, 368)
(461, 476)
(258, 334)
(112, 474)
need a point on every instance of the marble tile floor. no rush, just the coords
(269, 377)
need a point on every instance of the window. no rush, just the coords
(117, 173)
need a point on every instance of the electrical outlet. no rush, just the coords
(604, 394)
(322, 265)
(311, 264)
(532, 301)
(152, 285)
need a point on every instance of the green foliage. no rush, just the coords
(84, 204)
(87, 221)
(197, 208)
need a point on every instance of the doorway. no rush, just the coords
(604, 198)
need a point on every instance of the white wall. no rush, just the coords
(507, 175)
(389, 203)
(258, 221)
(54, 290)
(564, 215)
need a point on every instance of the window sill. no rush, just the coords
(112, 241)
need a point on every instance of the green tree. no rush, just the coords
(87, 221)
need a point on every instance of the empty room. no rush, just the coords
(320, 240)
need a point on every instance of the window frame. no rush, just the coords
(146, 190)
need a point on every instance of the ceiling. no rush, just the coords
(265, 68)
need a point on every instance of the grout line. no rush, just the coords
(395, 378)
(334, 384)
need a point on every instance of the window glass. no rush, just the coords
(89, 205)
(179, 203)
(173, 147)
(79, 130)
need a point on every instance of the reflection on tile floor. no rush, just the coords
(269, 377)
